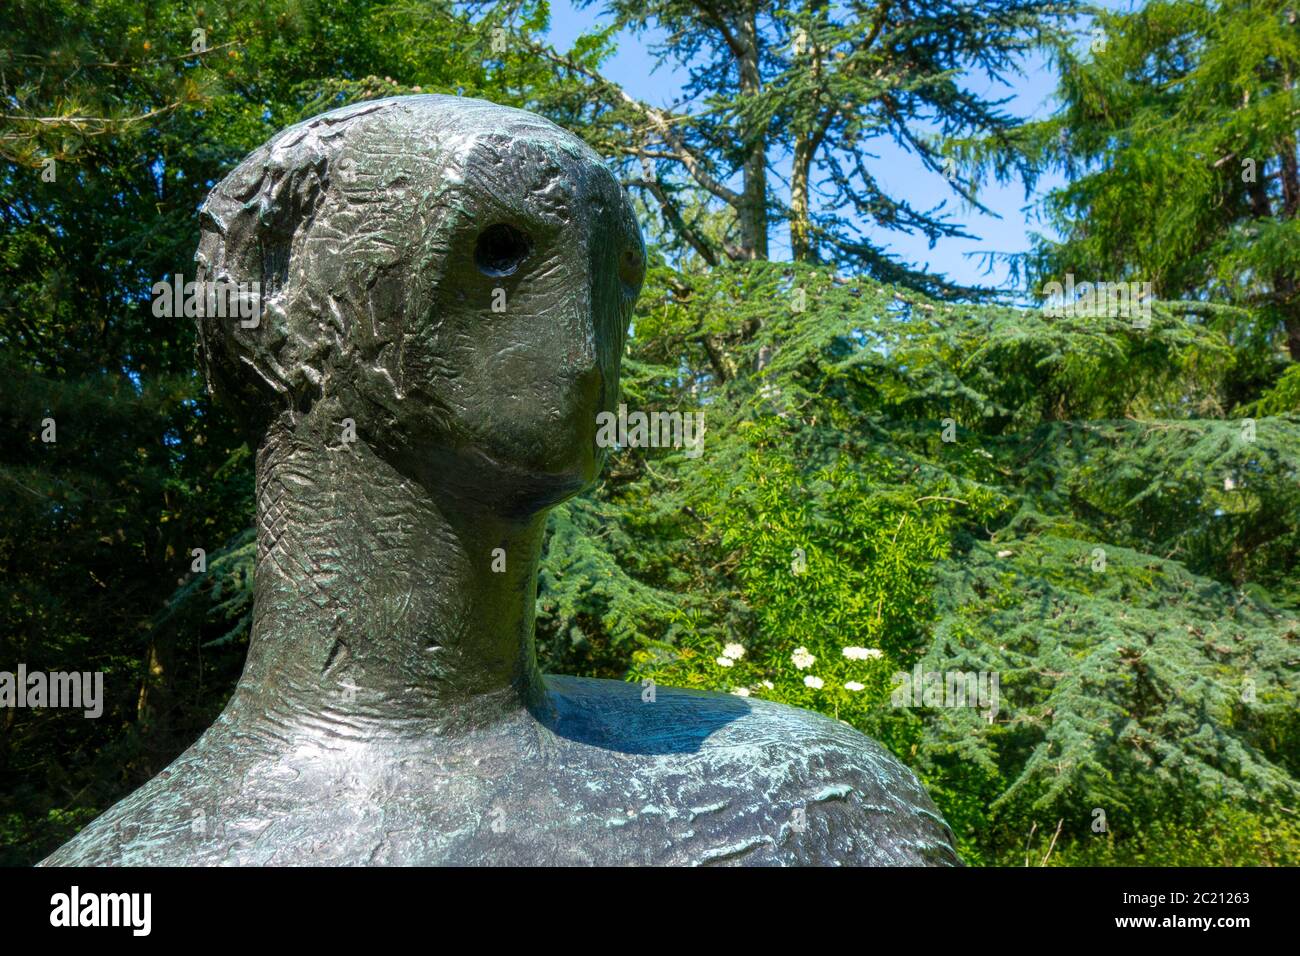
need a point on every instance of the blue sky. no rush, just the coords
(1031, 96)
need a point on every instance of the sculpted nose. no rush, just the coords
(585, 356)
(604, 327)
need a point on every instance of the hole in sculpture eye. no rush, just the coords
(631, 268)
(500, 249)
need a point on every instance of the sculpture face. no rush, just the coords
(542, 267)
(455, 277)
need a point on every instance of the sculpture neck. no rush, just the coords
(377, 599)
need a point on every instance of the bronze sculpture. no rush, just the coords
(445, 287)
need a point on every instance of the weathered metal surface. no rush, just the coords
(453, 281)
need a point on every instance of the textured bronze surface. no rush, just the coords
(451, 282)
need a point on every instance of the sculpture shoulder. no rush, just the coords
(597, 774)
(790, 785)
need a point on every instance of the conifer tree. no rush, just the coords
(817, 86)
(1177, 126)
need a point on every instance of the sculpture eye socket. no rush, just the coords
(631, 268)
(501, 249)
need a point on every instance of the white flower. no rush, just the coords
(802, 659)
(1004, 554)
(768, 684)
(734, 651)
(724, 662)
(741, 691)
(862, 653)
(816, 683)
(854, 685)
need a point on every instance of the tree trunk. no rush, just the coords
(1285, 286)
(753, 207)
(800, 215)
(806, 144)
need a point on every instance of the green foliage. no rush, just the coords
(1224, 836)
(1283, 396)
(1179, 136)
(1139, 688)
(591, 614)
(1126, 569)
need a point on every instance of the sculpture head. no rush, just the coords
(455, 277)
